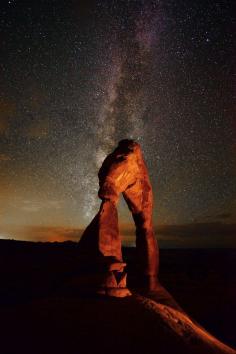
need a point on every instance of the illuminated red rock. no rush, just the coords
(124, 171)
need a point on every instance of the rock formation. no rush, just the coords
(123, 171)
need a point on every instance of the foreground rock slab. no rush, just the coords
(179, 324)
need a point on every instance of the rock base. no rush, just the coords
(114, 281)
(114, 292)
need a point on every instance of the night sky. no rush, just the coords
(76, 77)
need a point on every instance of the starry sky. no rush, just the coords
(78, 76)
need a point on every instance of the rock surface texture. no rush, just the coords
(124, 171)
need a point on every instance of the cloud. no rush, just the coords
(197, 228)
(215, 234)
(41, 233)
(52, 234)
(196, 235)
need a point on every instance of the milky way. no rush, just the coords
(122, 114)
(78, 77)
